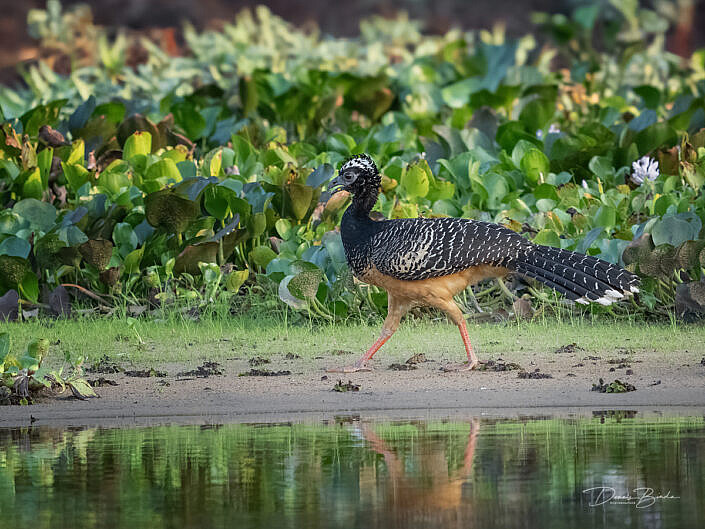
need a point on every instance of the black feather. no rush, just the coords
(415, 249)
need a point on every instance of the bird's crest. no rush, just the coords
(361, 161)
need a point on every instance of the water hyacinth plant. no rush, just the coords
(645, 169)
(197, 177)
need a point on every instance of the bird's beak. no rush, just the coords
(335, 186)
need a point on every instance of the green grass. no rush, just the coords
(221, 337)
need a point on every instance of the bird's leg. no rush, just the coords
(396, 308)
(457, 316)
(470, 448)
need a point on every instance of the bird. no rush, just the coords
(428, 261)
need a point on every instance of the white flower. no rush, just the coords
(553, 129)
(645, 168)
(585, 186)
(233, 170)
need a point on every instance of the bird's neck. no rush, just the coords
(363, 203)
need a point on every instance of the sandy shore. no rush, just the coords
(664, 381)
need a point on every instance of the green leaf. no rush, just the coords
(287, 297)
(133, 260)
(545, 204)
(674, 231)
(537, 113)
(606, 217)
(9, 170)
(138, 144)
(535, 165)
(212, 162)
(29, 287)
(76, 175)
(33, 186)
(458, 94)
(300, 196)
(283, 227)
(654, 137)
(165, 168)
(42, 115)
(168, 210)
(304, 285)
(547, 238)
(40, 215)
(322, 174)
(77, 154)
(82, 113)
(193, 123)
(258, 224)
(601, 166)
(4, 347)
(217, 201)
(643, 120)
(650, 95)
(586, 15)
(44, 159)
(415, 181)
(12, 270)
(114, 112)
(81, 389)
(16, 247)
(236, 279)
(262, 255)
(694, 174)
(125, 238)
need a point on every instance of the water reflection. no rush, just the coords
(474, 473)
(427, 491)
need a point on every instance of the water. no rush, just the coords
(351, 473)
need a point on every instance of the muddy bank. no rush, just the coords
(234, 391)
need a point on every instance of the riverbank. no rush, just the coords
(531, 368)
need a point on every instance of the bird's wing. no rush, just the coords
(422, 248)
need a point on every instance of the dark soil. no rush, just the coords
(146, 373)
(258, 361)
(534, 374)
(341, 387)
(101, 382)
(204, 371)
(265, 373)
(104, 366)
(570, 348)
(613, 387)
(418, 358)
(402, 367)
(499, 365)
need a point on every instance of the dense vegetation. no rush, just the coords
(149, 171)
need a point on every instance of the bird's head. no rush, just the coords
(359, 176)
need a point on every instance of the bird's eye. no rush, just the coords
(348, 177)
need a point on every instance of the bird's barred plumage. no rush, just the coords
(417, 249)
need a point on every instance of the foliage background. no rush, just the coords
(133, 170)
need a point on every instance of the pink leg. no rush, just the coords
(361, 364)
(396, 310)
(472, 359)
(457, 316)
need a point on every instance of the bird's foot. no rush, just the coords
(464, 366)
(349, 369)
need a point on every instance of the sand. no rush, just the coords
(671, 382)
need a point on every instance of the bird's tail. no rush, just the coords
(581, 278)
